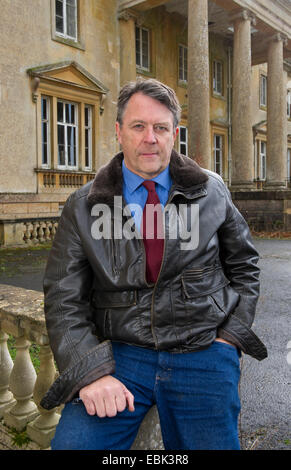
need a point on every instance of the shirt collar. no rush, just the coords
(132, 180)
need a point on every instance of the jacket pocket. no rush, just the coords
(109, 307)
(114, 299)
(208, 299)
(199, 282)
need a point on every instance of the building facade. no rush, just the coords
(62, 65)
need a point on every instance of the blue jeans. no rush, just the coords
(196, 394)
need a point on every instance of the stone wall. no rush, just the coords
(265, 210)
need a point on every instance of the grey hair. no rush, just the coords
(154, 89)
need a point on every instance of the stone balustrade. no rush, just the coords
(39, 231)
(28, 231)
(21, 388)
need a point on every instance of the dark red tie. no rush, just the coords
(152, 230)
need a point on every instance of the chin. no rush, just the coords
(151, 172)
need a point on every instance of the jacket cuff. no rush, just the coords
(238, 333)
(80, 374)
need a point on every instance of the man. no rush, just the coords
(135, 318)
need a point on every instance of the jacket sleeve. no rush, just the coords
(239, 259)
(80, 357)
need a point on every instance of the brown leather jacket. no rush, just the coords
(96, 291)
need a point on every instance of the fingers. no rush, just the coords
(120, 402)
(106, 397)
(130, 400)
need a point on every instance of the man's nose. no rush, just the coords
(150, 136)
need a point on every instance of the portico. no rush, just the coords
(254, 33)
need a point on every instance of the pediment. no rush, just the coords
(260, 126)
(70, 73)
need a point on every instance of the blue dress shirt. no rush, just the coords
(135, 193)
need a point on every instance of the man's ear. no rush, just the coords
(176, 132)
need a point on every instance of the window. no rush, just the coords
(263, 90)
(88, 137)
(68, 119)
(183, 139)
(218, 153)
(183, 63)
(218, 77)
(66, 18)
(289, 164)
(67, 134)
(262, 159)
(289, 104)
(45, 131)
(142, 48)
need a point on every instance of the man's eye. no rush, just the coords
(138, 126)
(161, 128)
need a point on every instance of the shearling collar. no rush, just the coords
(107, 183)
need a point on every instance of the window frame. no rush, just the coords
(89, 128)
(181, 142)
(66, 125)
(215, 90)
(48, 124)
(262, 157)
(77, 43)
(184, 70)
(263, 90)
(221, 153)
(62, 87)
(140, 66)
(65, 35)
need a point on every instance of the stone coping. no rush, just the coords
(259, 194)
(21, 313)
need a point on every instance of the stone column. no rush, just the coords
(277, 117)
(242, 135)
(198, 83)
(127, 47)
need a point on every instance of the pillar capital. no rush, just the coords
(244, 15)
(127, 14)
(278, 37)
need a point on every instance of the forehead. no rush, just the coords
(143, 107)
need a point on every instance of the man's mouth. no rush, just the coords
(149, 154)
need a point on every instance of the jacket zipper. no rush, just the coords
(114, 257)
(155, 285)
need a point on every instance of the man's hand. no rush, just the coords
(106, 397)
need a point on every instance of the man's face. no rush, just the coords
(147, 135)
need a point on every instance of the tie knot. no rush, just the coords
(149, 185)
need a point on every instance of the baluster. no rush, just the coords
(41, 232)
(6, 365)
(47, 231)
(54, 227)
(27, 233)
(42, 429)
(22, 380)
(34, 233)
